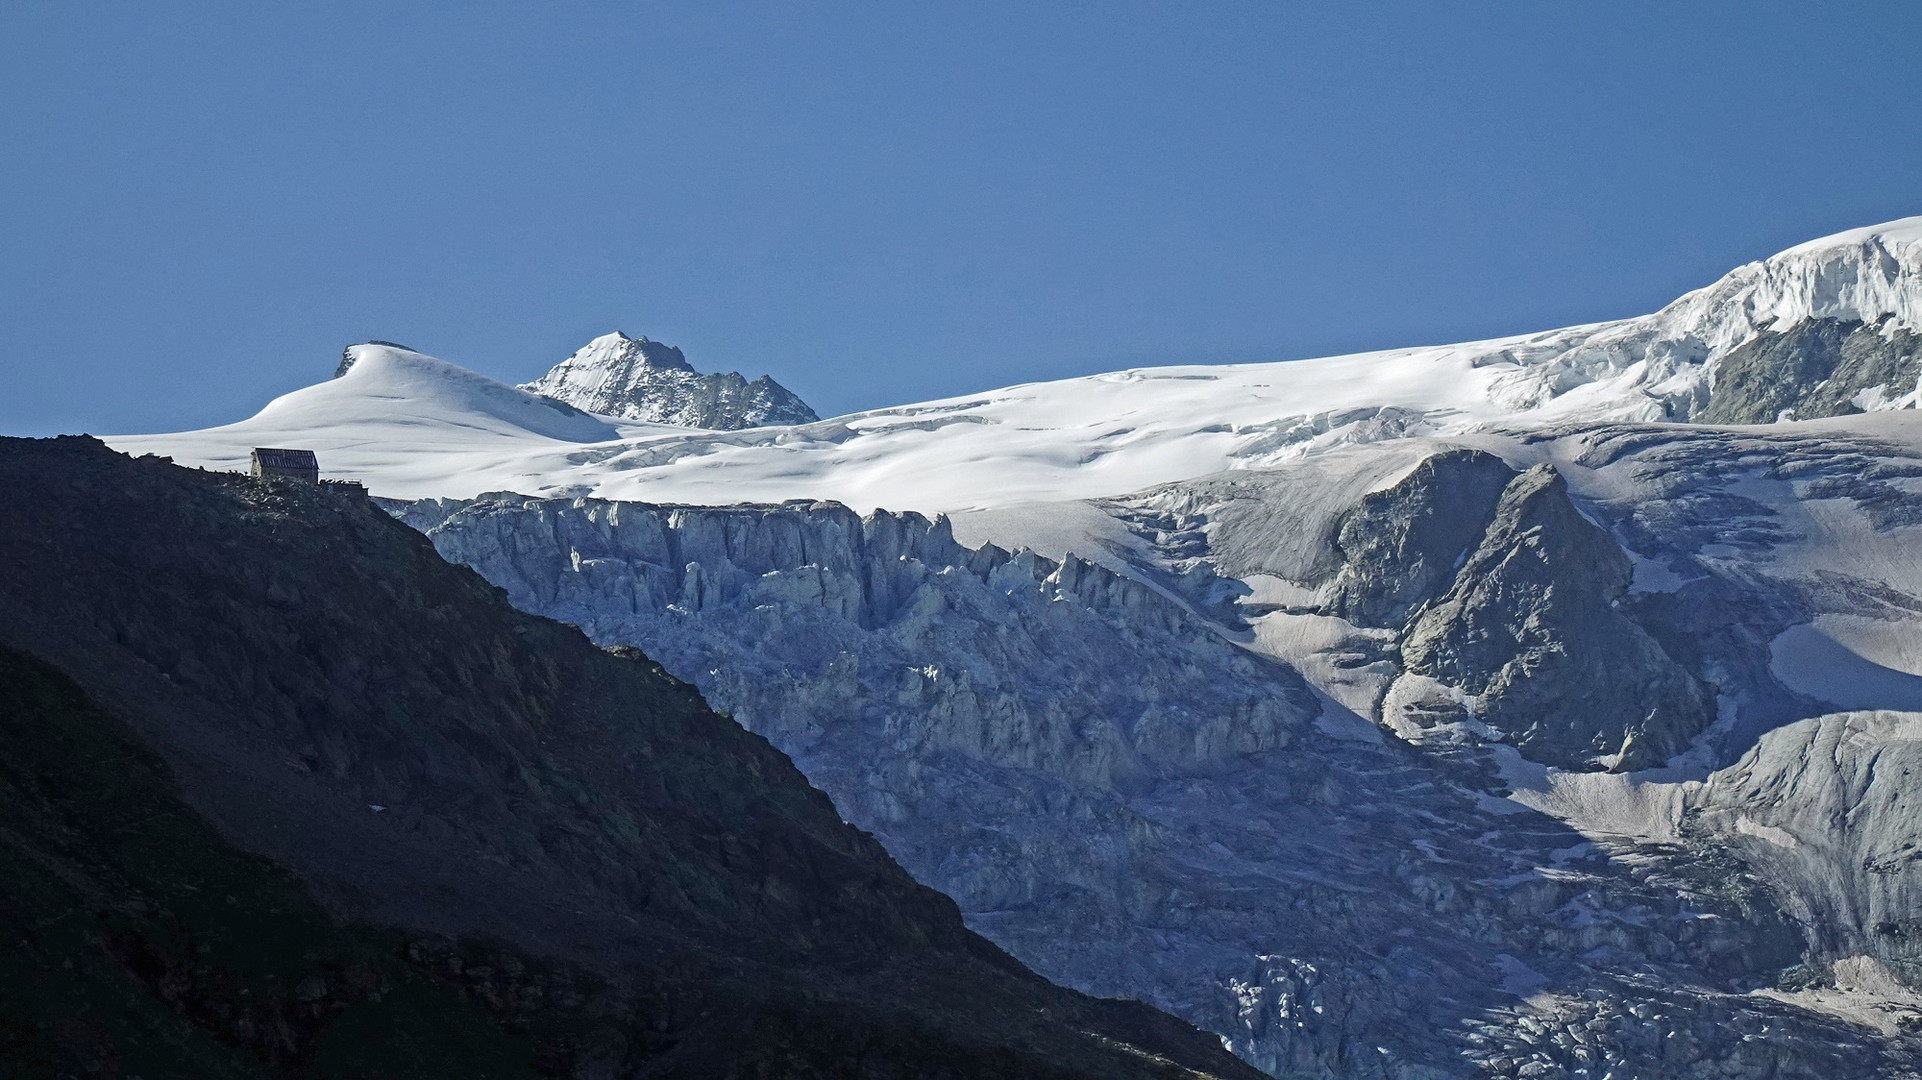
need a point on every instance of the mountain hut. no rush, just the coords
(292, 464)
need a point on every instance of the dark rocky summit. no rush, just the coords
(286, 794)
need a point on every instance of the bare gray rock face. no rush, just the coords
(638, 379)
(1401, 547)
(1531, 628)
(1816, 368)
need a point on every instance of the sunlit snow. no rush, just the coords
(409, 425)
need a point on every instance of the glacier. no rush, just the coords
(1102, 435)
(1499, 709)
(1115, 790)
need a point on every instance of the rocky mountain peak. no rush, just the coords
(639, 379)
(617, 347)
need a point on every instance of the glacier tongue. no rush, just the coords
(1119, 791)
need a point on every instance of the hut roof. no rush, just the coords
(285, 459)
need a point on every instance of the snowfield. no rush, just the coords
(411, 426)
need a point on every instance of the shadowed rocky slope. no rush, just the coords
(492, 831)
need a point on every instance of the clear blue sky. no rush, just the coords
(883, 202)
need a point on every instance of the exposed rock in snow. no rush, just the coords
(1744, 550)
(1866, 276)
(1402, 547)
(1826, 810)
(638, 379)
(1817, 368)
(1531, 631)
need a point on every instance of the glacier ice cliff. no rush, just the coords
(1102, 762)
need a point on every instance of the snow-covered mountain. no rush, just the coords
(638, 379)
(1505, 709)
(1847, 308)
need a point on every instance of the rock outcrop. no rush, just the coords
(1401, 547)
(1817, 368)
(1824, 809)
(1532, 633)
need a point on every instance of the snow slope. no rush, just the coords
(411, 426)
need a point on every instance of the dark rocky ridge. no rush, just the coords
(144, 944)
(298, 658)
